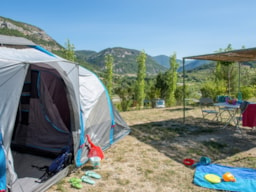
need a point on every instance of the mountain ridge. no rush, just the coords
(124, 60)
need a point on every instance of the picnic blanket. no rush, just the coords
(245, 178)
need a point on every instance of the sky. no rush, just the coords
(158, 27)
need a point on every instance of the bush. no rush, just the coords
(212, 89)
(179, 94)
(247, 92)
(125, 105)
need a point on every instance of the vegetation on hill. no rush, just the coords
(84, 54)
(124, 60)
(165, 60)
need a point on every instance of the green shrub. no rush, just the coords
(179, 94)
(212, 89)
(248, 92)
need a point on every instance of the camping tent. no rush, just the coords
(48, 106)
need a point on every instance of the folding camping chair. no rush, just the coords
(208, 108)
(224, 112)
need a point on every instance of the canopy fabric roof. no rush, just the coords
(12, 40)
(240, 55)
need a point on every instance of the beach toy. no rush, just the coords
(188, 162)
(212, 178)
(205, 160)
(228, 177)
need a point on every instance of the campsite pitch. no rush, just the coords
(151, 157)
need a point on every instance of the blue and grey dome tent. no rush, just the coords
(48, 106)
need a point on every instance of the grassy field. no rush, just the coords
(150, 158)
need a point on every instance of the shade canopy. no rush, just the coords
(11, 40)
(240, 55)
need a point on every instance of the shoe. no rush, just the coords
(86, 179)
(76, 183)
(75, 180)
(93, 174)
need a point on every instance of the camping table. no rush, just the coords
(232, 113)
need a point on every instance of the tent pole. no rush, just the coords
(184, 92)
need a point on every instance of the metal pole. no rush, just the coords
(239, 95)
(184, 92)
(239, 75)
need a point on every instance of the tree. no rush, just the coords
(69, 51)
(126, 91)
(109, 73)
(161, 85)
(227, 72)
(140, 84)
(172, 77)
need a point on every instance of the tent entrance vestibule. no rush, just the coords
(241, 55)
(43, 122)
(42, 128)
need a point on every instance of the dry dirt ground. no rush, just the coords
(150, 158)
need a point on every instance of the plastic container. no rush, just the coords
(95, 162)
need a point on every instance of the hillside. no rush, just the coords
(85, 54)
(33, 33)
(124, 60)
(162, 60)
(165, 60)
(194, 64)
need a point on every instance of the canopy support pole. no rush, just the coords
(184, 92)
(239, 76)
